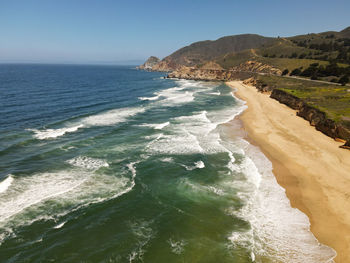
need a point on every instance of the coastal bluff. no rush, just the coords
(149, 64)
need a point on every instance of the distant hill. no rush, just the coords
(345, 33)
(282, 53)
(203, 51)
(150, 62)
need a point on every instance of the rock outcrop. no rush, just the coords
(207, 74)
(213, 71)
(255, 66)
(165, 65)
(150, 63)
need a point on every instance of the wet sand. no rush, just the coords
(309, 165)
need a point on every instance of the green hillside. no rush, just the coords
(334, 100)
(200, 52)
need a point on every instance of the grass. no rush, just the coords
(234, 59)
(289, 63)
(334, 100)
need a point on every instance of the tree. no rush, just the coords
(285, 72)
(295, 72)
(314, 76)
(343, 80)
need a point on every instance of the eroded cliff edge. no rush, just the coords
(248, 72)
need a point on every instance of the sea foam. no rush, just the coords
(278, 231)
(107, 118)
(5, 184)
(88, 162)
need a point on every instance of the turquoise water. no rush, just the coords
(111, 164)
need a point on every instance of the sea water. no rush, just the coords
(111, 164)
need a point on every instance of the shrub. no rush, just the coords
(285, 72)
(295, 72)
(343, 80)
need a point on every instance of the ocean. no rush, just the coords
(112, 164)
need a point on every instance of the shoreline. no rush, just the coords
(309, 165)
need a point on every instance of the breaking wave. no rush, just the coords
(108, 118)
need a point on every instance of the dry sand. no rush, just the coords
(311, 167)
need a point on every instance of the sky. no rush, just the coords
(127, 32)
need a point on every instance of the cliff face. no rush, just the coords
(166, 65)
(150, 63)
(208, 74)
(213, 71)
(316, 117)
(255, 66)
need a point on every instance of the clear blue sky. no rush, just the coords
(117, 31)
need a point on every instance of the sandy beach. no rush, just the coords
(310, 166)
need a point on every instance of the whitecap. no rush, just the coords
(107, 118)
(54, 133)
(88, 162)
(177, 247)
(150, 98)
(26, 200)
(197, 165)
(278, 231)
(111, 117)
(5, 184)
(60, 225)
(156, 126)
(214, 93)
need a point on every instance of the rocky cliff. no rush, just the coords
(208, 74)
(316, 117)
(150, 63)
(213, 71)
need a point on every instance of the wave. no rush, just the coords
(108, 118)
(54, 133)
(149, 98)
(111, 117)
(278, 231)
(157, 126)
(143, 232)
(188, 134)
(177, 247)
(51, 195)
(60, 225)
(87, 162)
(5, 184)
(215, 93)
(175, 96)
(197, 165)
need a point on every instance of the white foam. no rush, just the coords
(215, 93)
(28, 191)
(54, 133)
(197, 165)
(149, 98)
(278, 231)
(88, 163)
(167, 160)
(60, 225)
(157, 126)
(174, 96)
(107, 118)
(26, 200)
(143, 231)
(5, 184)
(111, 117)
(177, 247)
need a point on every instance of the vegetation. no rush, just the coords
(334, 100)
(315, 71)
